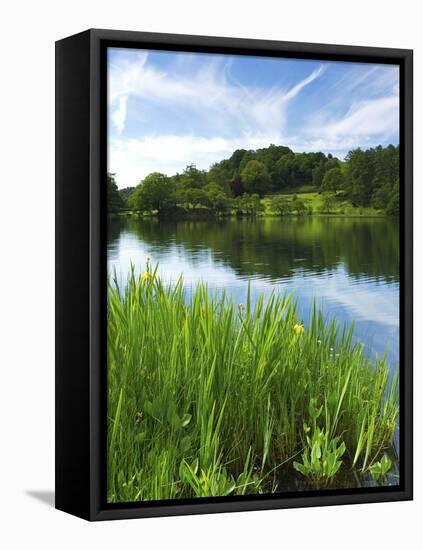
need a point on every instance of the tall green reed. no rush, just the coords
(209, 398)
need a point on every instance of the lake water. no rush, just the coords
(350, 265)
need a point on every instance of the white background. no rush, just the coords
(28, 32)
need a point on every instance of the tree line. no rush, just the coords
(237, 184)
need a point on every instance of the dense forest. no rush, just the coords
(237, 185)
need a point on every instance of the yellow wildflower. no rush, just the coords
(145, 276)
(298, 329)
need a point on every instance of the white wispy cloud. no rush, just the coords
(118, 114)
(209, 91)
(132, 159)
(365, 122)
(367, 118)
(367, 107)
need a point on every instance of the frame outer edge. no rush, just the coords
(96, 143)
(72, 395)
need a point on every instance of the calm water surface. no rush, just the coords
(350, 265)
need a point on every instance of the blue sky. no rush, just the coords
(170, 109)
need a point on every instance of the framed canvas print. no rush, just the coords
(233, 274)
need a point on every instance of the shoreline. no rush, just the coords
(211, 217)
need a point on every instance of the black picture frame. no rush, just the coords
(81, 150)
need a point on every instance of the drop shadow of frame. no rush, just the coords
(45, 497)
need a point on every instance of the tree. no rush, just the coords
(393, 208)
(381, 197)
(328, 203)
(317, 174)
(155, 192)
(125, 193)
(114, 199)
(250, 205)
(236, 159)
(370, 175)
(256, 178)
(332, 180)
(281, 205)
(193, 178)
(359, 177)
(283, 172)
(217, 200)
(298, 206)
(221, 173)
(269, 157)
(237, 187)
(193, 197)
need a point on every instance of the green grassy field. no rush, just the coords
(313, 200)
(207, 398)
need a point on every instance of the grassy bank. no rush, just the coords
(207, 398)
(313, 205)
